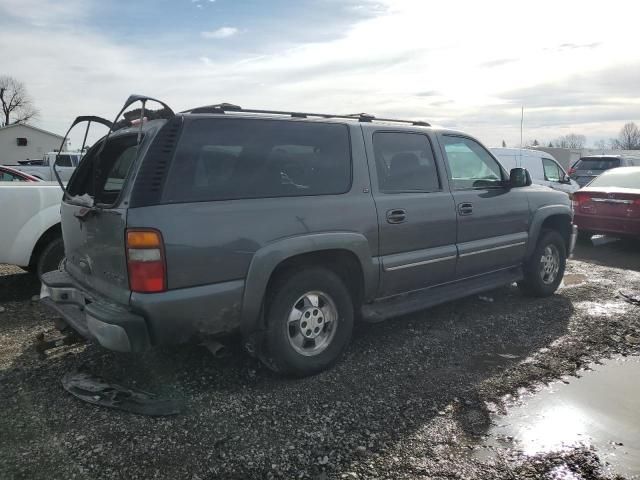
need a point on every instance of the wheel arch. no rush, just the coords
(47, 236)
(347, 254)
(552, 217)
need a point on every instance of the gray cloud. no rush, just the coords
(583, 90)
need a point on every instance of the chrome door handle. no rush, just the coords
(465, 208)
(397, 215)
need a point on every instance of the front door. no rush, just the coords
(493, 219)
(416, 212)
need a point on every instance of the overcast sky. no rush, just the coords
(470, 65)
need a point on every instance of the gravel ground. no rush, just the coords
(411, 398)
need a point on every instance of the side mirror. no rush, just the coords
(519, 177)
(565, 179)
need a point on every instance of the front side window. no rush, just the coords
(551, 170)
(470, 165)
(405, 163)
(226, 159)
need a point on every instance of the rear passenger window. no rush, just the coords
(405, 163)
(225, 159)
(63, 161)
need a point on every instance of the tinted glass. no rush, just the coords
(622, 178)
(597, 163)
(63, 161)
(471, 166)
(108, 177)
(405, 163)
(551, 170)
(224, 159)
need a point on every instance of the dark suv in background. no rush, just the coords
(285, 227)
(588, 168)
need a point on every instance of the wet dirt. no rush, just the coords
(599, 410)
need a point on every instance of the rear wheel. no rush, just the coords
(51, 256)
(309, 322)
(543, 272)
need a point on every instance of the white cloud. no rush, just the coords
(222, 32)
(382, 65)
(44, 12)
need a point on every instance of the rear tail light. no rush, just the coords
(578, 199)
(145, 261)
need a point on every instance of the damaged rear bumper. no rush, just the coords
(111, 325)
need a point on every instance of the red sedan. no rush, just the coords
(610, 204)
(8, 174)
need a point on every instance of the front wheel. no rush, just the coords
(543, 272)
(309, 322)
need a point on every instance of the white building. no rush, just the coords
(22, 142)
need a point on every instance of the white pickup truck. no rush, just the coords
(30, 233)
(43, 169)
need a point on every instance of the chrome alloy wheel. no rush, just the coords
(312, 323)
(549, 264)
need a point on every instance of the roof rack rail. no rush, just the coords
(361, 117)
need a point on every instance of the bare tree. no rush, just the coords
(571, 140)
(629, 137)
(17, 106)
(600, 144)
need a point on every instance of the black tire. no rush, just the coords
(50, 256)
(534, 283)
(287, 292)
(584, 236)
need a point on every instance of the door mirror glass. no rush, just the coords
(519, 177)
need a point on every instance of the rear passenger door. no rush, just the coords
(416, 214)
(493, 219)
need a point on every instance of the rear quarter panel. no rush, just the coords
(213, 242)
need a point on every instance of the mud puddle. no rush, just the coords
(601, 409)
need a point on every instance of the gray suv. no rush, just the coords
(286, 227)
(588, 168)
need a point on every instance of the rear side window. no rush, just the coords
(597, 163)
(225, 159)
(63, 161)
(405, 163)
(103, 180)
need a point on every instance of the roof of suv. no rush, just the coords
(366, 122)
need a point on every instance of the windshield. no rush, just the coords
(598, 163)
(621, 178)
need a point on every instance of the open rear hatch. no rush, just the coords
(94, 209)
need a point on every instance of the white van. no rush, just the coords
(544, 169)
